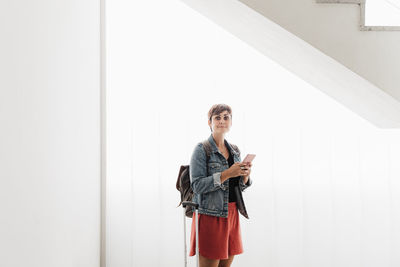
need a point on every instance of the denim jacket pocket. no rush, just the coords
(214, 167)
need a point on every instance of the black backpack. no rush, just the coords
(183, 181)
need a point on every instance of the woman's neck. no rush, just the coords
(219, 139)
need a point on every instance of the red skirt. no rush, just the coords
(219, 237)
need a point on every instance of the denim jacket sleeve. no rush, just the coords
(242, 185)
(200, 182)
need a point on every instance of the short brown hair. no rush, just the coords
(217, 109)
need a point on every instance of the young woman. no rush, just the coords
(218, 185)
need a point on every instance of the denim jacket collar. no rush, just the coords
(214, 147)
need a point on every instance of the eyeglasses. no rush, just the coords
(226, 118)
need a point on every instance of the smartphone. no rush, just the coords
(249, 158)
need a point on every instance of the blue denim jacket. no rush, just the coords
(212, 195)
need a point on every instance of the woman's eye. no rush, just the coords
(226, 118)
(218, 118)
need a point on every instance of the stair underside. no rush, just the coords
(303, 60)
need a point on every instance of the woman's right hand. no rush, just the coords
(234, 170)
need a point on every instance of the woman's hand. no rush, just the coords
(246, 177)
(237, 169)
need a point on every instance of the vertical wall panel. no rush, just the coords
(50, 133)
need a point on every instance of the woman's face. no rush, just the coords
(221, 123)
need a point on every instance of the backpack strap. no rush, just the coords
(235, 148)
(207, 148)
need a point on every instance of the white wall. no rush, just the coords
(325, 189)
(50, 133)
